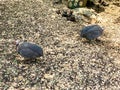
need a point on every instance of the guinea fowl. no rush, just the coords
(29, 50)
(91, 32)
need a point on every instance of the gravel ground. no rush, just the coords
(69, 62)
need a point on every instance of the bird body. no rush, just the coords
(91, 32)
(29, 50)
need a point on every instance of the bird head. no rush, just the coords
(103, 27)
(17, 42)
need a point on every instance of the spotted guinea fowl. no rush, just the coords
(29, 50)
(91, 32)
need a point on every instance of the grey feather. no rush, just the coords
(29, 50)
(91, 32)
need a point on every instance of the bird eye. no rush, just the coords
(17, 44)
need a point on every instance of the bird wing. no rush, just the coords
(27, 53)
(86, 29)
(36, 49)
(93, 34)
(91, 27)
(33, 47)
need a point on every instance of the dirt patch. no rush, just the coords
(69, 62)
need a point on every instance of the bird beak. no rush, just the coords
(14, 43)
(103, 27)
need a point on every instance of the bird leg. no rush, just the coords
(97, 40)
(92, 42)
